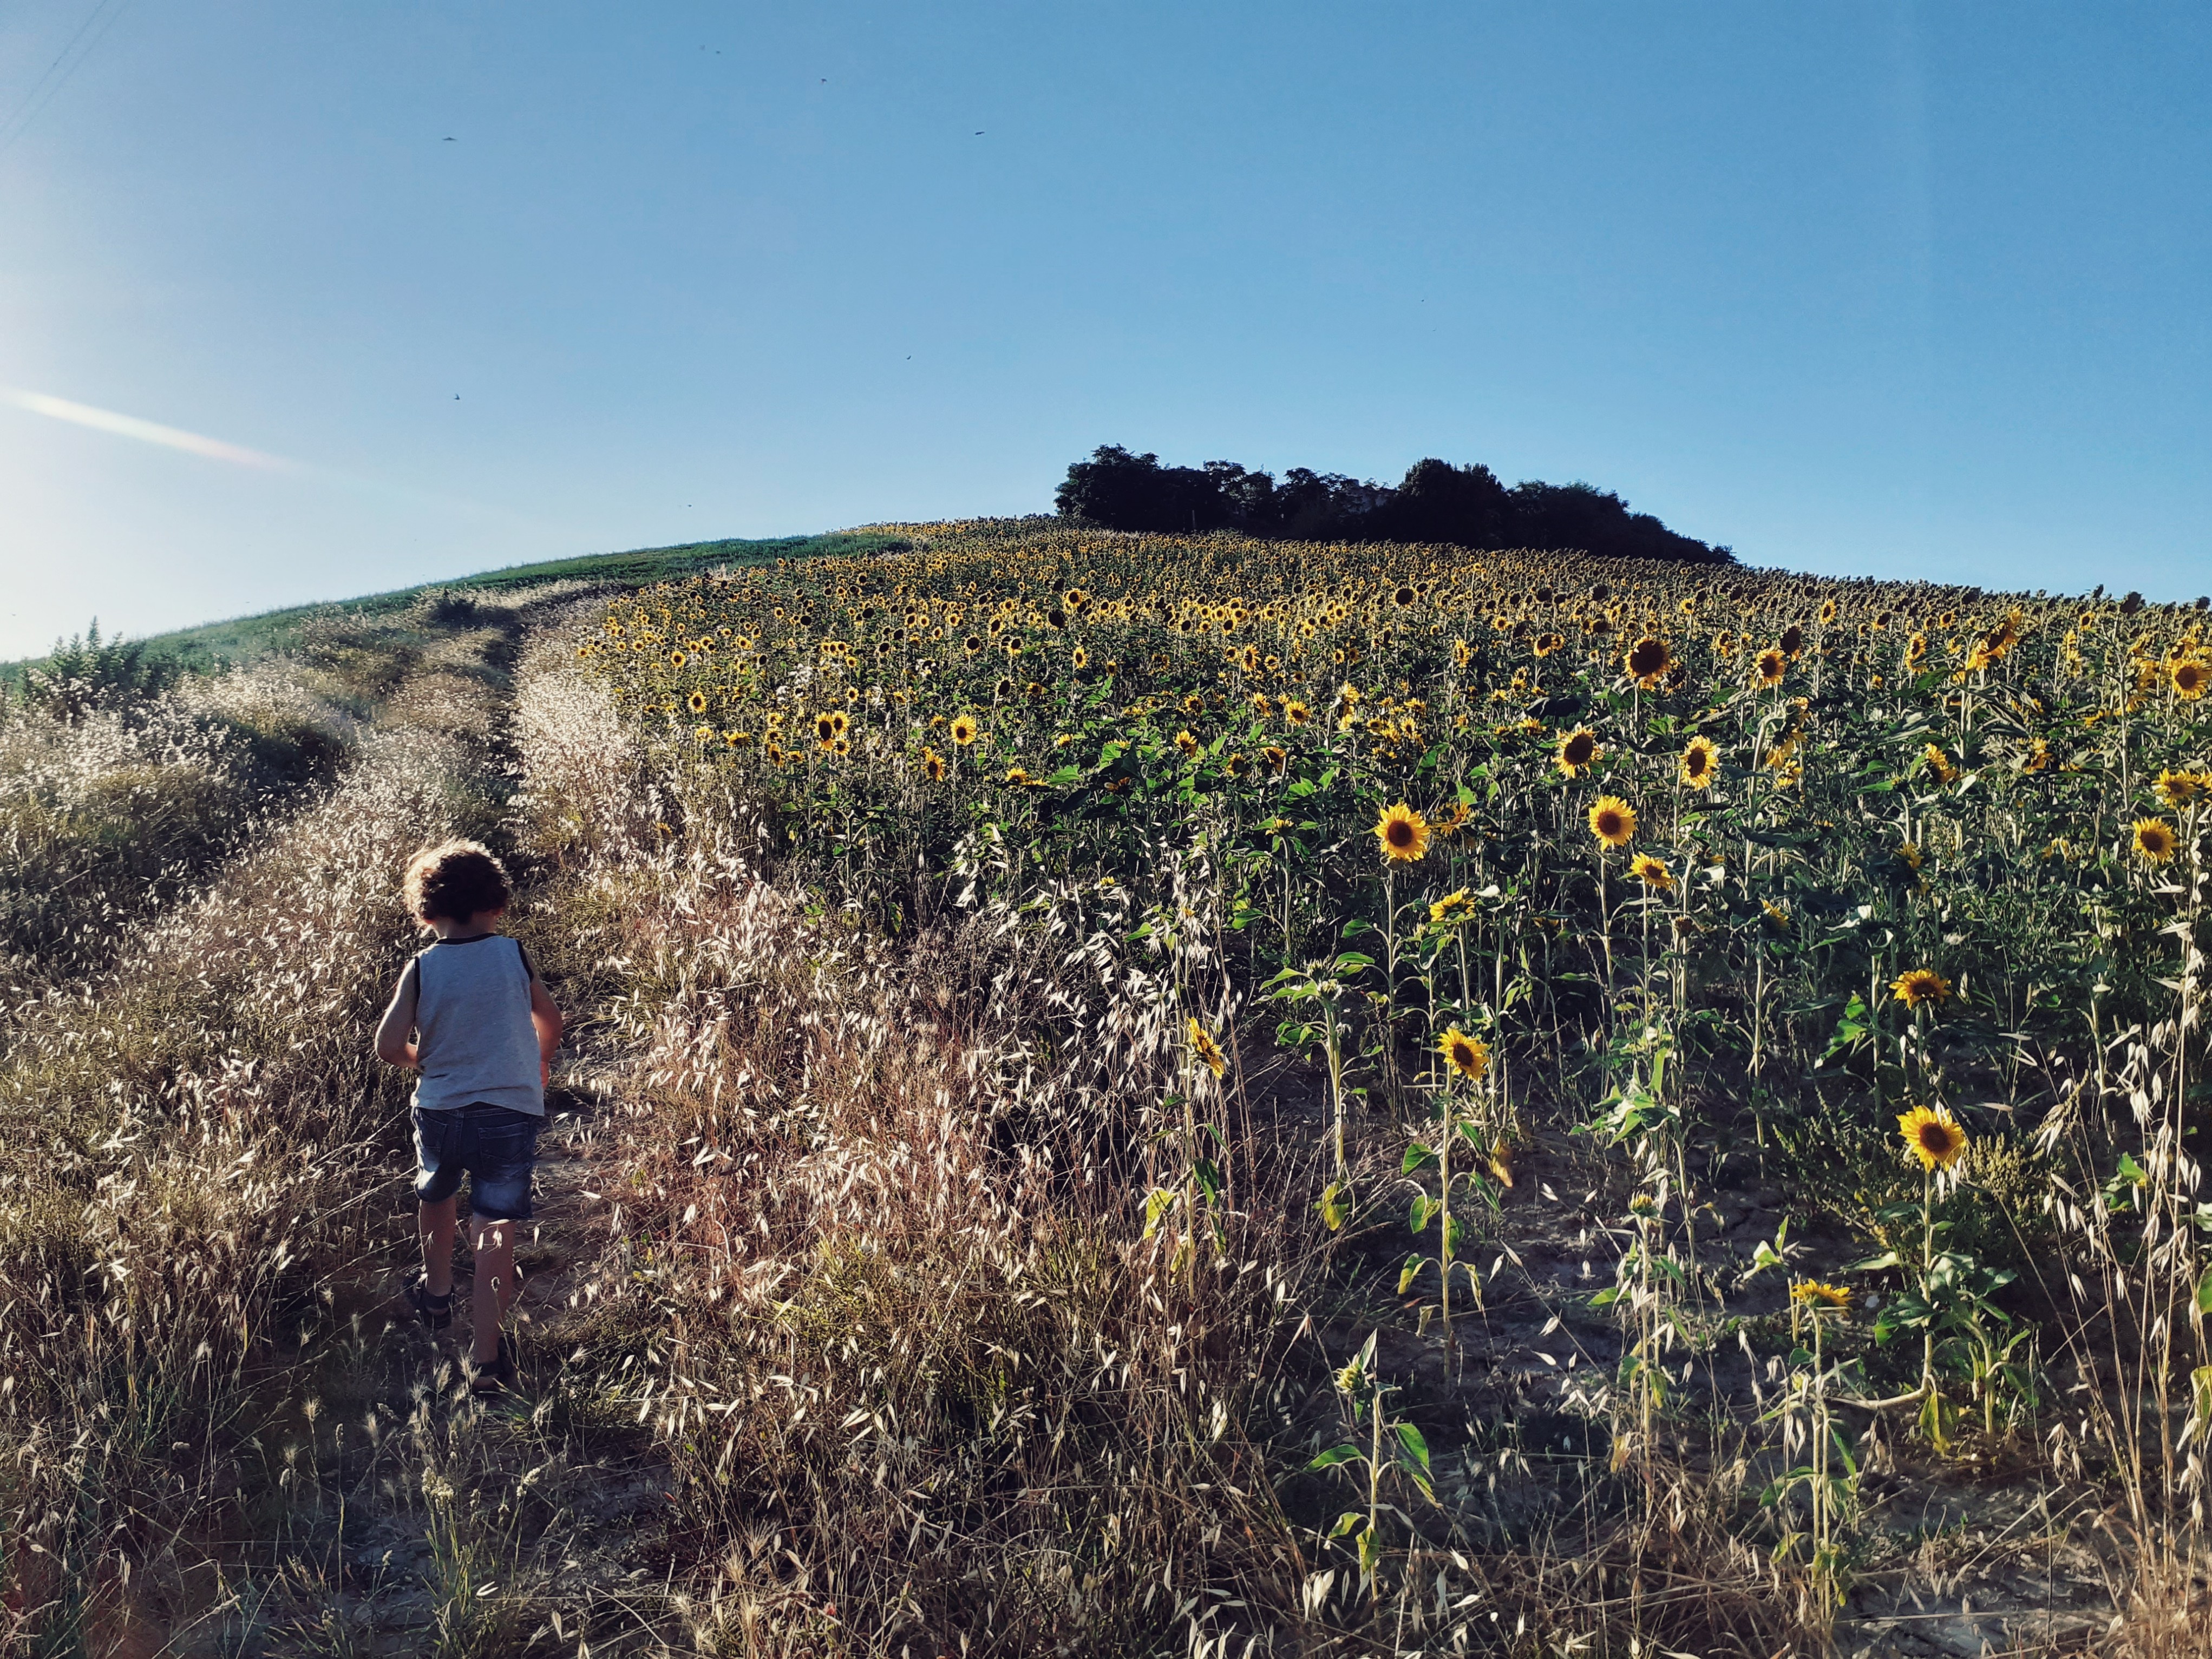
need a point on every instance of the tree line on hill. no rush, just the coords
(1436, 502)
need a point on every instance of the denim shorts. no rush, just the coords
(493, 1146)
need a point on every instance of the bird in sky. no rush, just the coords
(449, 138)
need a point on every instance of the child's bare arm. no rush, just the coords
(393, 1046)
(547, 1020)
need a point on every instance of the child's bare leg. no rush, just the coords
(493, 1292)
(439, 1224)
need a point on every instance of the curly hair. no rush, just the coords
(456, 880)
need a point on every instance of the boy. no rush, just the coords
(485, 1033)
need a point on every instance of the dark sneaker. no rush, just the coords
(494, 1376)
(434, 1311)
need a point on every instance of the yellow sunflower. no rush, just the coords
(1452, 907)
(965, 729)
(1940, 764)
(1771, 666)
(1651, 872)
(1647, 660)
(1187, 744)
(1468, 1056)
(1579, 750)
(1612, 821)
(1296, 711)
(2155, 842)
(932, 765)
(696, 703)
(1404, 834)
(1207, 1050)
(1825, 1296)
(2191, 676)
(1700, 764)
(1918, 987)
(2178, 788)
(1933, 1136)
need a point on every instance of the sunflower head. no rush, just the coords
(1469, 1057)
(1651, 872)
(2191, 677)
(1771, 664)
(1647, 660)
(1187, 744)
(1940, 763)
(1920, 988)
(1817, 1296)
(1612, 821)
(965, 729)
(1700, 764)
(696, 703)
(932, 765)
(1204, 1048)
(1403, 834)
(2155, 842)
(1080, 657)
(1452, 907)
(1932, 1136)
(1578, 752)
(1296, 711)
(2178, 788)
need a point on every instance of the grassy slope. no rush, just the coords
(244, 638)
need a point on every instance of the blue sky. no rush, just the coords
(1880, 289)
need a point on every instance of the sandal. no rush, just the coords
(495, 1375)
(434, 1311)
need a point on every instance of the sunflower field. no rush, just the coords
(1896, 889)
(1781, 808)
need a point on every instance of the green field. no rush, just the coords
(243, 639)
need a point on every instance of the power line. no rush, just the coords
(104, 14)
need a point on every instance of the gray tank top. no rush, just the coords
(472, 1026)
